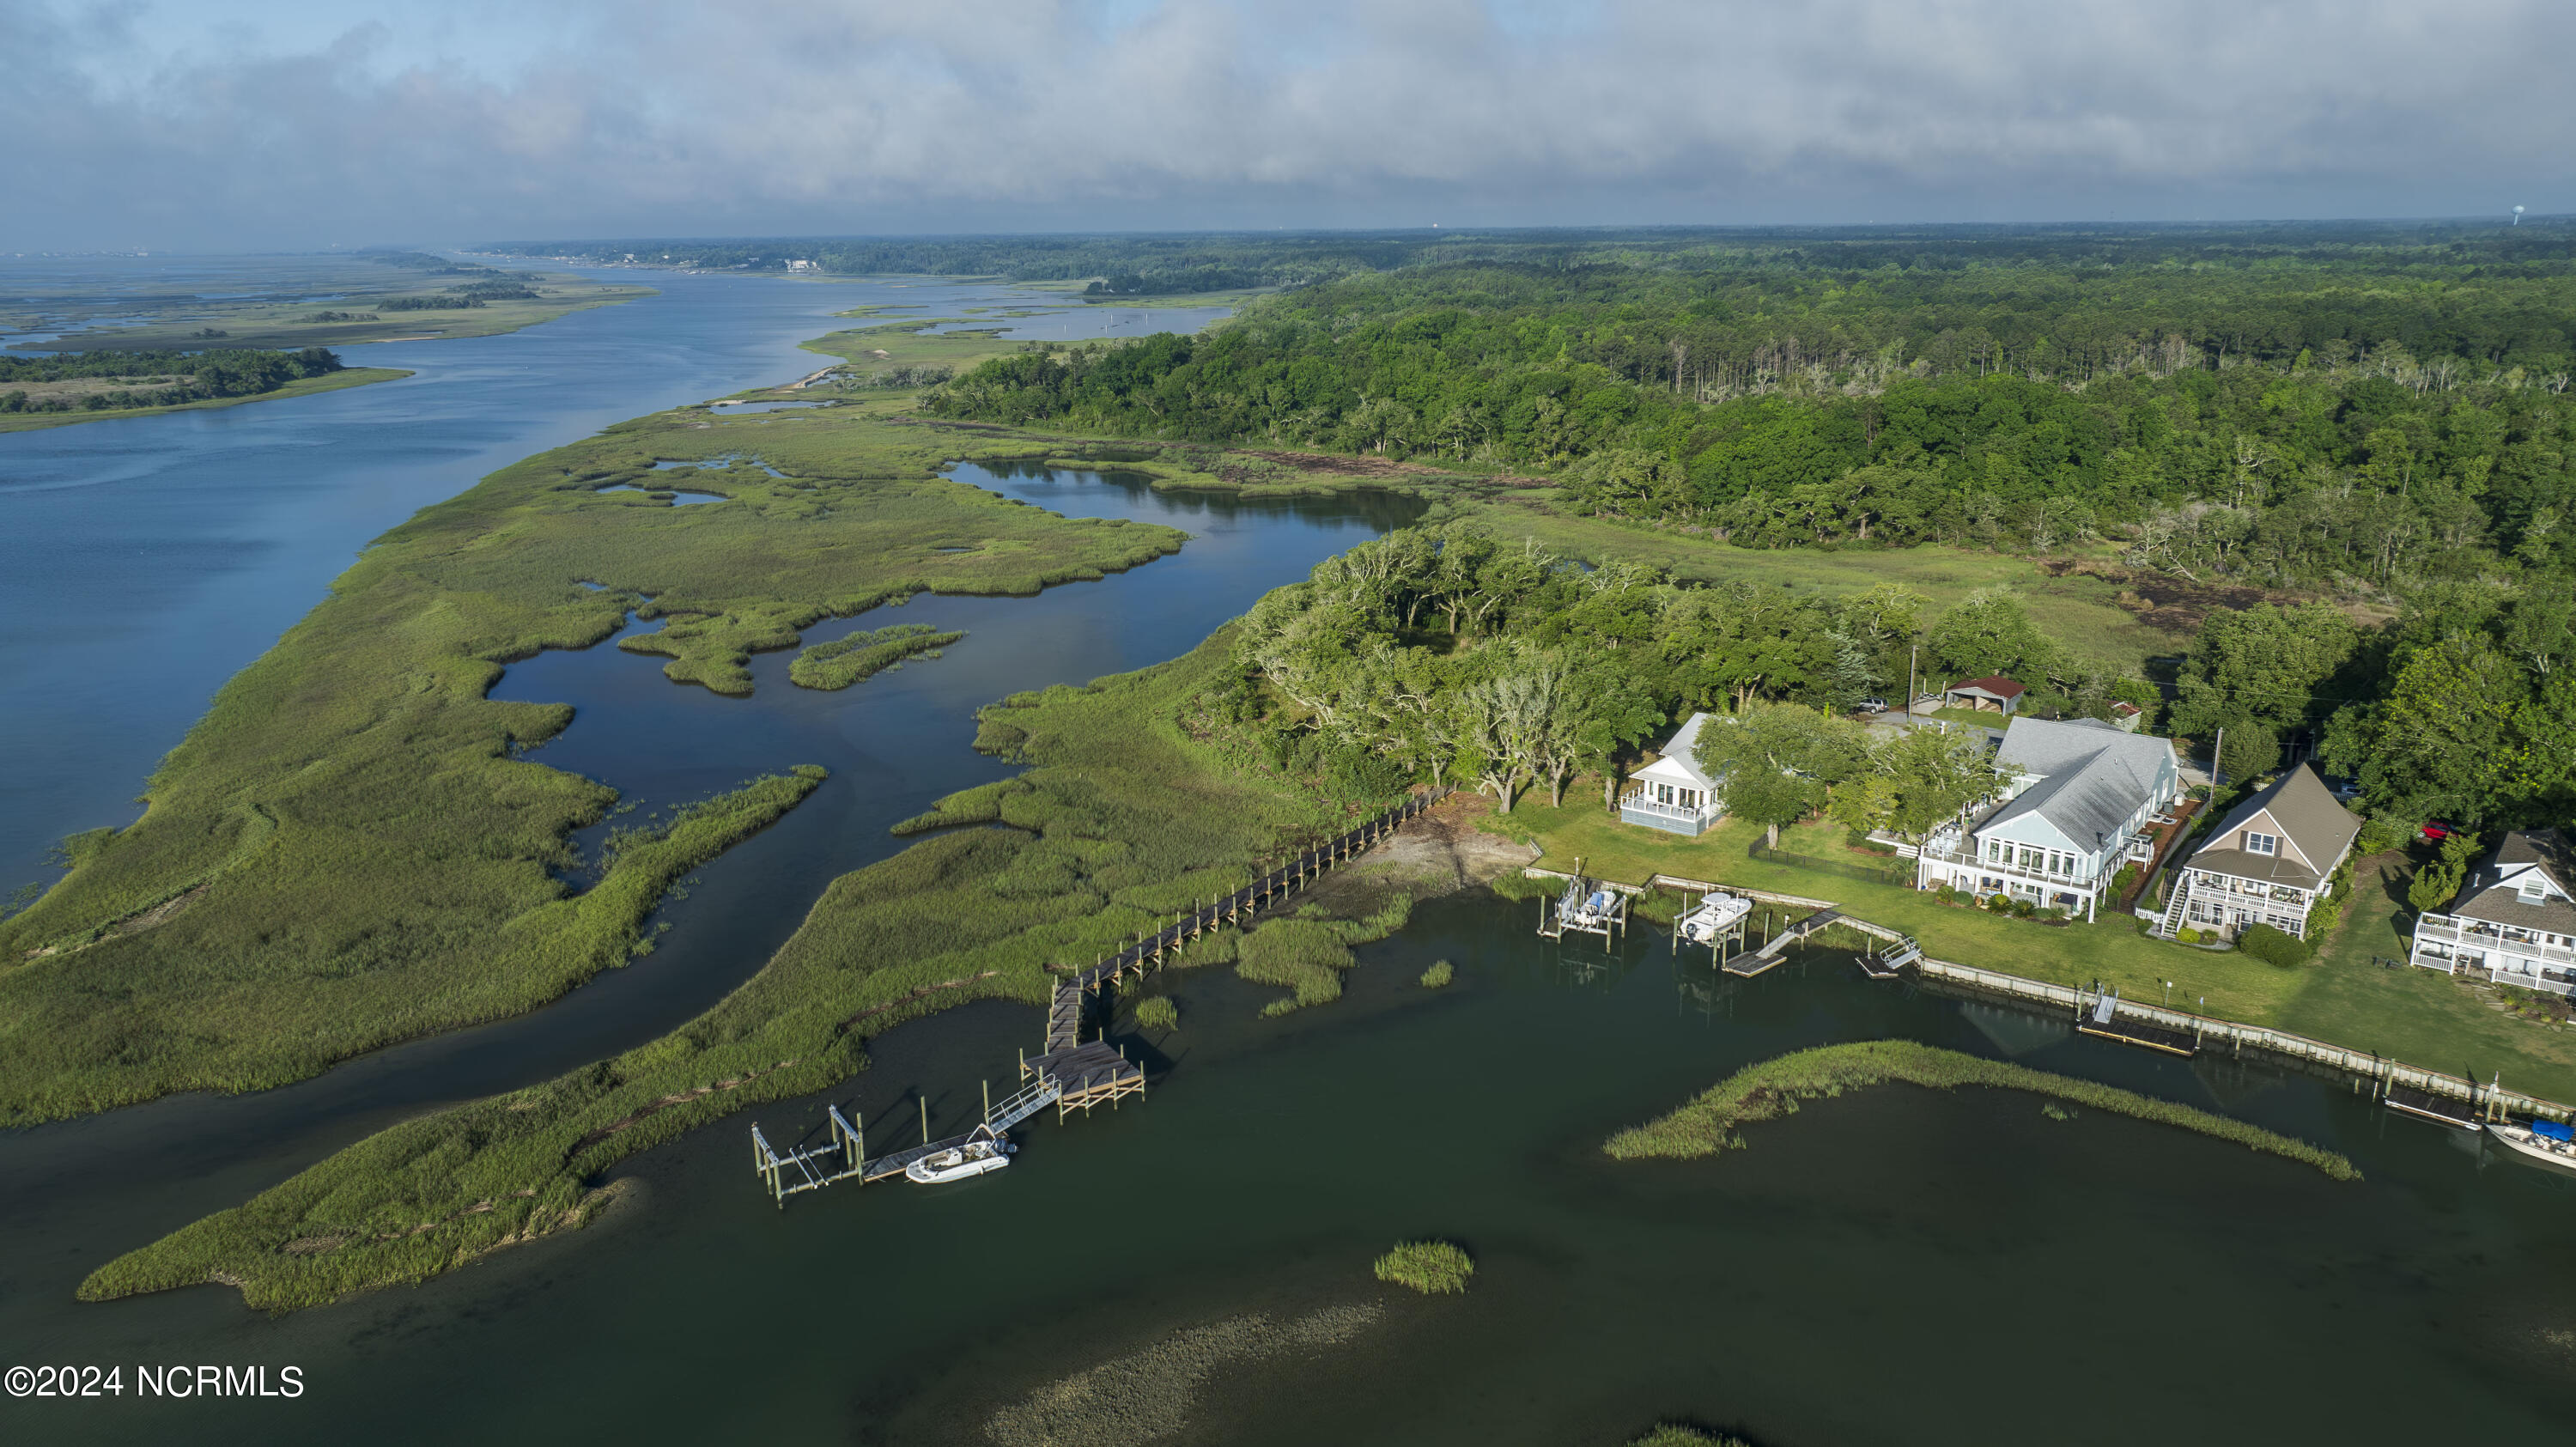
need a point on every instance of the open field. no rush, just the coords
(2078, 610)
(345, 852)
(1124, 818)
(2416, 1015)
(300, 387)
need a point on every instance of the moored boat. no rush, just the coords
(2543, 1142)
(960, 1162)
(1715, 916)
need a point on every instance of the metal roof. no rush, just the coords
(2093, 776)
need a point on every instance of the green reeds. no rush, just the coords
(1440, 973)
(1434, 1268)
(845, 661)
(1767, 1091)
(1158, 1013)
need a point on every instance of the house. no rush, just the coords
(1672, 793)
(2126, 716)
(2000, 695)
(2081, 795)
(2269, 862)
(2515, 917)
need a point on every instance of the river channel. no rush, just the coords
(1895, 1266)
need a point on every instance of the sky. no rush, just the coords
(301, 124)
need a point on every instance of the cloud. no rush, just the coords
(658, 116)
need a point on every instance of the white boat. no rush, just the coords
(1590, 911)
(1715, 916)
(2550, 1150)
(958, 1163)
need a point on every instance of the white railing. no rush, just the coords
(1640, 804)
(2451, 930)
(1970, 857)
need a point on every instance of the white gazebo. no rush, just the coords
(1672, 793)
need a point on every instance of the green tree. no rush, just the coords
(2439, 880)
(1987, 634)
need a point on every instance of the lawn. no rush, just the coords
(2416, 1015)
(2080, 611)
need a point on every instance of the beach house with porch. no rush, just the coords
(2515, 917)
(2080, 796)
(2269, 862)
(1672, 793)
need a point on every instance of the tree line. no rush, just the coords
(162, 379)
(2355, 423)
(1447, 655)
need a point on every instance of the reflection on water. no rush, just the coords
(674, 495)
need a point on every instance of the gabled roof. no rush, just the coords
(2093, 776)
(1999, 687)
(2307, 812)
(2493, 890)
(1680, 761)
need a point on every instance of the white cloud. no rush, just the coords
(285, 124)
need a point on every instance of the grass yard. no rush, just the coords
(2079, 611)
(300, 387)
(2416, 1015)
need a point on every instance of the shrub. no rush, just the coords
(1434, 1268)
(2000, 903)
(1948, 893)
(2378, 836)
(2024, 909)
(1158, 1013)
(2055, 914)
(2126, 879)
(2272, 946)
(1439, 974)
(2187, 935)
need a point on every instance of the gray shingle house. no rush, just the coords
(2515, 917)
(2269, 862)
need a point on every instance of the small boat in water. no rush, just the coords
(958, 1163)
(1585, 908)
(1715, 916)
(2543, 1142)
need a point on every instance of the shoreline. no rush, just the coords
(341, 380)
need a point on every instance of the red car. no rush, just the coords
(2437, 831)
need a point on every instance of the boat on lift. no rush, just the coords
(980, 1153)
(1584, 907)
(2543, 1142)
(1715, 916)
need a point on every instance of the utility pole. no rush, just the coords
(1911, 650)
(2215, 754)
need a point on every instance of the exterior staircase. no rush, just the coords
(2177, 909)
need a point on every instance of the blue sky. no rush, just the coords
(293, 123)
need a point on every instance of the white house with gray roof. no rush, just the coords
(1673, 793)
(2080, 795)
(2269, 862)
(2515, 917)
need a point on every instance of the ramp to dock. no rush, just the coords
(1776, 948)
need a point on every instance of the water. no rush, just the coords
(177, 548)
(1895, 1266)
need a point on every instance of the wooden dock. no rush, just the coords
(2458, 1114)
(1069, 1074)
(1776, 948)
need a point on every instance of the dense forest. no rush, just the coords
(158, 379)
(2377, 416)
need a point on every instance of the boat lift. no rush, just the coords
(1589, 906)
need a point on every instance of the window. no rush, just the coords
(2532, 890)
(2262, 843)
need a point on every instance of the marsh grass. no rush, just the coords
(845, 661)
(1674, 1434)
(1122, 819)
(1158, 1013)
(1440, 973)
(1434, 1268)
(363, 851)
(1709, 1123)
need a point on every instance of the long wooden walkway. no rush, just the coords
(1069, 1074)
